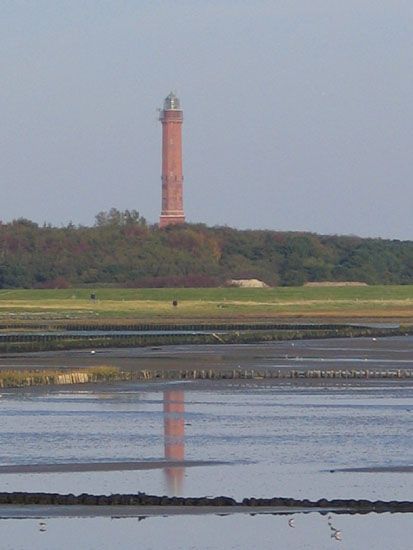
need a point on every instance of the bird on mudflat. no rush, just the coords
(337, 535)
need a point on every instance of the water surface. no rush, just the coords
(278, 439)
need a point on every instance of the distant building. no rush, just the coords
(172, 178)
(247, 283)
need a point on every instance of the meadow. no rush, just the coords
(388, 302)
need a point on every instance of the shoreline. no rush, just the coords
(118, 512)
(375, 470)
(113, 466)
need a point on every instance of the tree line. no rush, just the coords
(122, 249)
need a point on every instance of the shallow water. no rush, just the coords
(266, 532)
(280, 439)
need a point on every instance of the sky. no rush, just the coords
(298, 114)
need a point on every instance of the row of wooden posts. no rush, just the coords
(83, 377)
(254, 374)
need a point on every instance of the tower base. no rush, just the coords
(166, 220)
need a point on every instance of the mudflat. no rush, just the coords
(377, 469)
(102, 466)
(334, 353)
(81, 511)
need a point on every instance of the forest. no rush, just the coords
(121, 249)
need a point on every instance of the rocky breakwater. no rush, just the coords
(247, 504)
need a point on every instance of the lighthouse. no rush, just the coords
(171, 117)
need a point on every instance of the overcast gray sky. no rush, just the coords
(298, 113)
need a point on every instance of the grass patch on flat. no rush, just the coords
(212, 303)
(14, 378)
(391, 292)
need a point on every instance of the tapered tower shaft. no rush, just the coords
(172, 178)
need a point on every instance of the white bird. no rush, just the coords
(337, 535)
(291, 522)
(93, 352)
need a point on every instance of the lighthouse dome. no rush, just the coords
(171, 103)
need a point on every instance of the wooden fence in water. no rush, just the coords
(108, 374)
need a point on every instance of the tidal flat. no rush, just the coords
(261, 438)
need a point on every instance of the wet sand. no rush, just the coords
(334, 353)
(73, 467)
(103, 466)
(377, 469)
(9, 511)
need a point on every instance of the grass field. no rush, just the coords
(212, 304)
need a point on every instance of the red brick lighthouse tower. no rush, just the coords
(172, 201)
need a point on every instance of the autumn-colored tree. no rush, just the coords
(122, 248)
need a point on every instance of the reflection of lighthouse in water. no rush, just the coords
(174, 437)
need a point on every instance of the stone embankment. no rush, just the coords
(142, 499)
